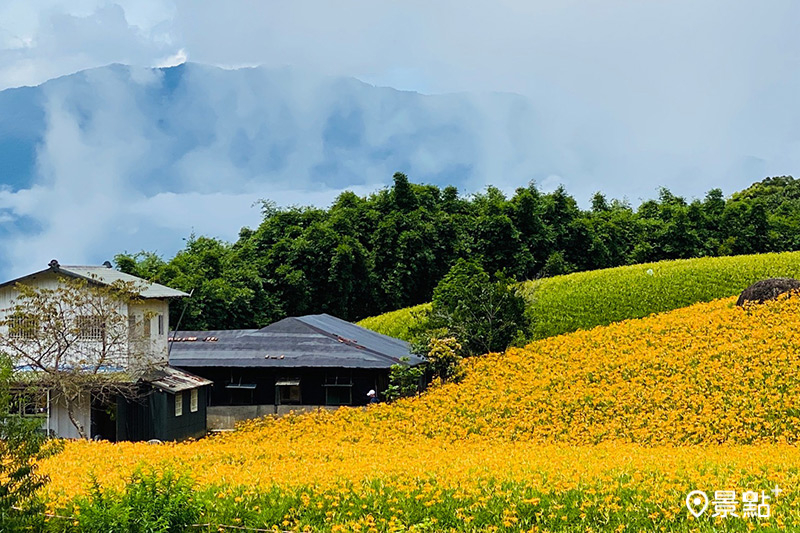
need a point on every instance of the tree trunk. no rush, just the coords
(71, 413)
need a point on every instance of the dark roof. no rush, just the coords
(105, 276)
(321, 341)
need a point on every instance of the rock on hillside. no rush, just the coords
(767, 289)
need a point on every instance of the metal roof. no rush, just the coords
(173, 380)
(106, 276)
(321, 341)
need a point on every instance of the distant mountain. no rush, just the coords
(195, 128)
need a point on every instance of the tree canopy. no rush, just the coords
(366, 255)
(484, 314)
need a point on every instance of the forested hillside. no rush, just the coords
(363, 256)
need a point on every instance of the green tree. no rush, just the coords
(74, 338)
(404, 380)
(403, 193)
(527, 212)
(485, 315)
(22, 444)
(366, 255)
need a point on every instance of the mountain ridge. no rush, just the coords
(358, 127)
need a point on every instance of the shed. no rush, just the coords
(296, 363)
(172, 405)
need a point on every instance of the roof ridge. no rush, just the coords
(95, 274)
(339, 338)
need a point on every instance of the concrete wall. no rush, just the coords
(222, 417)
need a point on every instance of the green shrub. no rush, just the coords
(444, 359)
(404, 381)
(151, 502)
(22, 443)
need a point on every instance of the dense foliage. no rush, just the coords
(601, 430)
(150, 502)
(364, 256)
(22, 443)
(484, 314)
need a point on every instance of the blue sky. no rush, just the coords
(629, 95)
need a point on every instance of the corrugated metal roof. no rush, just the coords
(107, 276)
(320, 341)
(173, 380)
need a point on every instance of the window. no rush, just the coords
(193, 401)
(338, 395)
(338, 389)
(242, 393)
(146, 328)
(30, 404)
(287, 391)
(22, 326)
(90, 328)
(179, 404)
(160, 325)
(290, 394)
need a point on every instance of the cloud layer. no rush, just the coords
(619, 96)
(127, 158)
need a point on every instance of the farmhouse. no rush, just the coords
(122, 342)
(298, 363)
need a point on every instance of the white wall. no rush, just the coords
(149, 310)
(155, 348)
(60, 422)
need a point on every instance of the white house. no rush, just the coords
(137, 335)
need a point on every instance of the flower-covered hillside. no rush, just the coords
(598, 430)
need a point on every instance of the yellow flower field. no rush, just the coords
(612, 426)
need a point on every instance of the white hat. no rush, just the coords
(370, 393)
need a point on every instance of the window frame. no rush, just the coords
(194, 397)
(90, 327)
(30, 405)
(178, 404)
(336, 387)
(23, 326)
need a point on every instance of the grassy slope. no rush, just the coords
(587, 299)
(396, 323)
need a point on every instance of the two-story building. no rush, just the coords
(125, 340)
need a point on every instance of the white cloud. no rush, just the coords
(177, 58)
(43, 40)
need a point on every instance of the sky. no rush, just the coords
(630, 96)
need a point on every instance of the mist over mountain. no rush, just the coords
(260, 124)
(124, 158)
